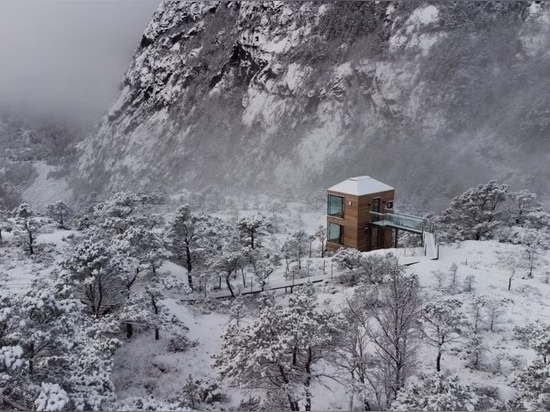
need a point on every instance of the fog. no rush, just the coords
(68, 57)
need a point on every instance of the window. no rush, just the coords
(390, 205)
(335, 233)
(335, 206)
(374, 237)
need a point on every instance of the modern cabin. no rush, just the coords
(356, 208)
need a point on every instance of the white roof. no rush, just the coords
(360, 185)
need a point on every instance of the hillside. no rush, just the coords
(431, 96)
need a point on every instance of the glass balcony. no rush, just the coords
(402, 221)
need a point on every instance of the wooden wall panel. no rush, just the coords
(357, 218)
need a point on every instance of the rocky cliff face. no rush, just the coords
(429, 97)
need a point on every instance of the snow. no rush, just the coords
(431, 247)
(117, 105)
(46, 190)
(359, 186)
(422, 17)
(144, 366)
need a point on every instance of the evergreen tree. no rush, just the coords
(443, 324)
(27, 226)
(281, 349)
(60, 212)
(475, 214)
(252, 229)
(194, 238)
(435, 392)
(97, 277)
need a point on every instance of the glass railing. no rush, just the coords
(405, 221)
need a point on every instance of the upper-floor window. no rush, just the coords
(335, 206)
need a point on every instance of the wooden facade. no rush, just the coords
(358, 231)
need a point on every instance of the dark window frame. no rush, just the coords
(340, 239)
(329, 208)
(374, 237)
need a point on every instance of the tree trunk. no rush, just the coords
(129, 330)
(252, 240)
(293, 404)
(97, 308)
(155, 311)
(438, 361)
(308, 378)
(31, 359)
(189, 261)
(350, 404)
(31, 248)
(228, 283)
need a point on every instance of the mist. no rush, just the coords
(67, 58)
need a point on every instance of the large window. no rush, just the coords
(335, 206)
(335, 233)
(374, 237)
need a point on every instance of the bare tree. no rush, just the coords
(321, 235)
(394, 332)
(453, 275)
(440, 278)
(357, 366)
(494, 308)
(469, 283)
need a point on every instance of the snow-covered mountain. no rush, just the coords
(36, 155)
(431, 97)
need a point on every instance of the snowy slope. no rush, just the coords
(529, 301)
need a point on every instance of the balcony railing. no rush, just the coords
(402, 221)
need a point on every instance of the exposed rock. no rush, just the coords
(430, 97)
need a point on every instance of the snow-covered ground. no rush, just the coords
(144, 366)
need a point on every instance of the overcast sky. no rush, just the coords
(68, 54)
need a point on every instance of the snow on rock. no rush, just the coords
(260, 82)
(46, 189)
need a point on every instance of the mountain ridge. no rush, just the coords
(431, 97)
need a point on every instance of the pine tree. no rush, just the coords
(442, 324)
(27, 225)
(475, 214)
(436, 392)
(194, 238)
(97, 277)
(252, 229)
(280, 350)
(60, 212)
(357, 267)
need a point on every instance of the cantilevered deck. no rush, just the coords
(415, 224)
(402, 221)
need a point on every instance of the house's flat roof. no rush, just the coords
(360, 185)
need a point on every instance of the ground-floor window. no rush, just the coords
(335, 233)
(374, 237)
